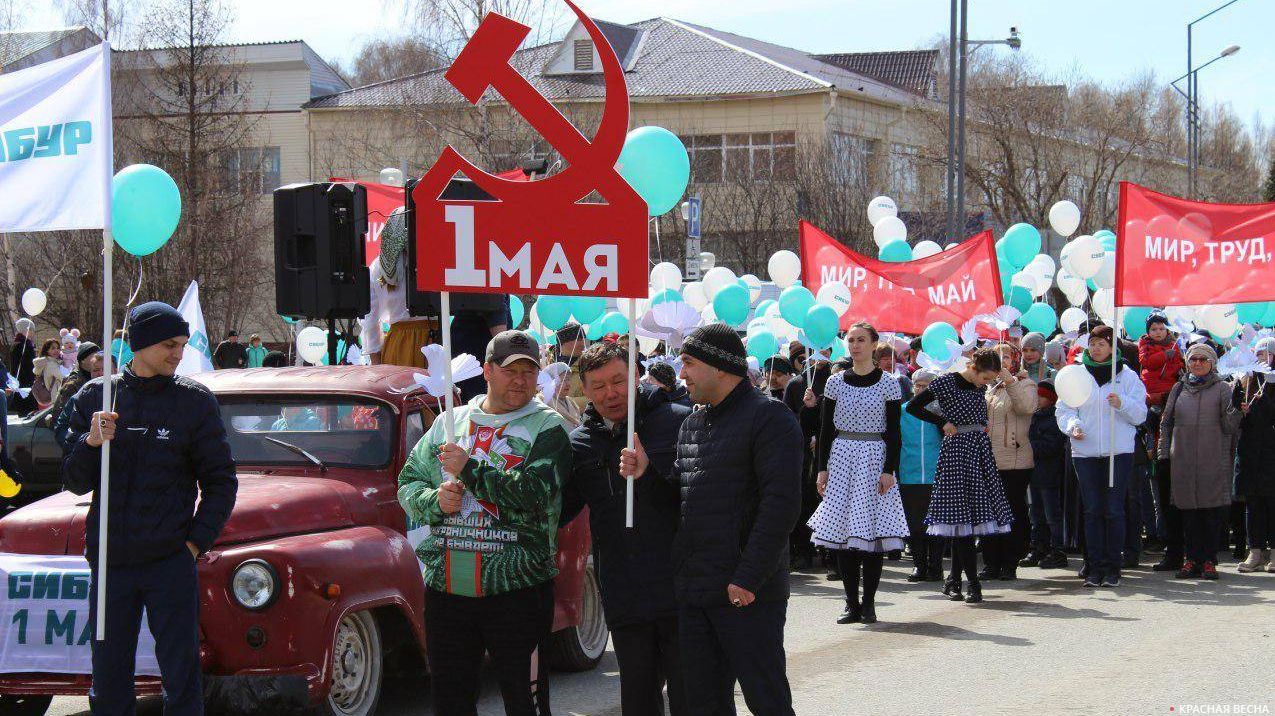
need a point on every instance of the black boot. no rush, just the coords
(952, 588)
(1033, 557)
(935, 574)
(989, 572)
(853, 613)
(869, 614)
(918, 574)
(976, 593)
(1170, 563)
(1056, 559)
(1008, 574)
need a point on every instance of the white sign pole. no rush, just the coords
(633, 390)
(108, 329)
(445, 309)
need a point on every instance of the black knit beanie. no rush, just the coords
(1156, 317)
(155, 322)
(87, 348)
(718, 345)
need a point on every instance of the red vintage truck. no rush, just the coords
(312, 595)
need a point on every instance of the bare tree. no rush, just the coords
(450, 23)
(113, 20)
(391, 58)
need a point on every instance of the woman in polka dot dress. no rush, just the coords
(968, 497)
(861, 516)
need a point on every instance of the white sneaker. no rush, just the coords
(1257, 560)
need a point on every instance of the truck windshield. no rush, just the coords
(339, 432)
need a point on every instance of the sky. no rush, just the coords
(1106, 39)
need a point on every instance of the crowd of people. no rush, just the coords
(744, 472)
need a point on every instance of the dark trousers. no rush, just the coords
(723, 644)
(1046, 512)
(1104, 510)
(849, 563)
(1237, 534)
(799, 544)
(1203, 531)
(507, 626)
(1004, 550)
(1133, 510)
(168, 589)
(1260, 512)
(1170, 516)
(927, 549)
(648, 654)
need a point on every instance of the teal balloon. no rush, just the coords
(587, 309)
(838, 350)
(1002, 259)
(551, 339)
(821, 324)
(763, 345)
(935, 337)
(654, 162)
(289, 320)
(1022, 243)
(340, 352)
(667, 295)
(1107, 238)
(538, 336)
(1135, 321)
(762, 307)
(794, 304)
(615, 322)
(385, 326)
(731, 304)
(896, 252)
(594, 331)
(1252, 312)
(1041, 318)
(1268, 318)
(145, 208)
(1092, 286)
(1007, 278)
(516, 311)
(554, 311)
(1020, 298)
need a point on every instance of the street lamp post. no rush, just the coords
(961, 48)
(1192, 100)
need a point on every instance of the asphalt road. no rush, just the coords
(1041, 645)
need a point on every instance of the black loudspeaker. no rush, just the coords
(426, 303)
(319, 231)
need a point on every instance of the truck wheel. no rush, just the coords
(580, 647)
(358, 665)
(24, 705)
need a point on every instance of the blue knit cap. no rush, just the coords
(154, 322)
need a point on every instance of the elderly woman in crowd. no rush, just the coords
(1011, 401)
(1195, 434)
(1255, 461)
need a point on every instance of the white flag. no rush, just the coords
(198, 356)
(55, 144)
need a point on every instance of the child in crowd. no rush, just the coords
(1049, 447)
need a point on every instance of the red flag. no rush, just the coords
(382, 200)
(951, 286)
(1172, 251)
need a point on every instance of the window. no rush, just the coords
(583, 55)
(274, 430)
(905, 170)
(252, 170)
(415, 430)
(854, 157)
(742, 157)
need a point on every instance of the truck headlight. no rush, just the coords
(255, 584)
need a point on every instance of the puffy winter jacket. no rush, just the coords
(1196, 435)
(1255, 451)
(169, 448)
(635, 565)
(1009, 416)
(1049, 447)
(739, 466)
(1094, 417)
(1162, 365)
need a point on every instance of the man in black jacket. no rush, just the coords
(230, 353)
(739, 467)
(635, 566)
(168, 447)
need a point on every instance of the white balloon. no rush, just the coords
(716, 279)
(835, 295)
(1069, 283)
(665, 275)
(754, 286)
(639, 309)
(757, 324)
(1040, 284)
(891, 228)
(951, 246)
(1220, 320)
(776, 320)
(1104, 304)
(693, 293)
(1086, 256)
(924, 249)
(1064, 217)
(1072, 319)
(1181, 314)
(1078, 297)
(706, 261)
(1044, 265)
(1024, 279)
(1074, 385)
(647, 344)
(881, 207)
(312, 344)
(34, 302)
(709, 315)
(784, 268)
(1106, 276)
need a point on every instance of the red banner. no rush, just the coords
(382, 200)
(951, 286)
(1172, 251)
(541, 237)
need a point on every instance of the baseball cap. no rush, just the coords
(510, 346)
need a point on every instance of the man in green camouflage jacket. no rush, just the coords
(487, 501)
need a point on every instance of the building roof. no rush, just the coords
(18, 44)
(914, 70)
(677, 60)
